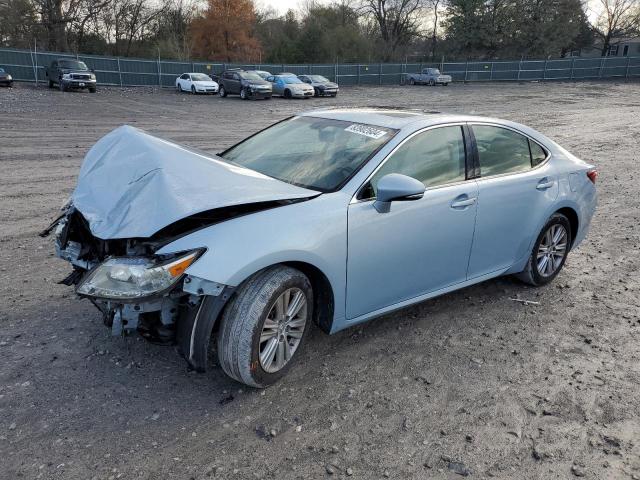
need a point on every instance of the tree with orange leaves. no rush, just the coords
(225, 31)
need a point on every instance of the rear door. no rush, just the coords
(421, 245)
(516, 189)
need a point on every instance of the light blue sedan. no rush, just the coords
(330, 217)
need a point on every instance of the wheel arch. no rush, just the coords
(324, 296)
(574, 221)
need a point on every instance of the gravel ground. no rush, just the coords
(471, 383)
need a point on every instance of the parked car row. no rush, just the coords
(257, 84)
(70, 74)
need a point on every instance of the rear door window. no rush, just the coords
(501, 150)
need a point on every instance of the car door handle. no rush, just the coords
(544, 184)
(461, 203)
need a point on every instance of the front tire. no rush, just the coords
(412, 82)
(243, 94)
(287, 94)
(549, 252)
(265, 325)
(193, 89)
(432, 83)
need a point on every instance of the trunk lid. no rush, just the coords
(132, 184)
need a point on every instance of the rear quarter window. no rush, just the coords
(538, 154)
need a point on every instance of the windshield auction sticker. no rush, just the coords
(365, 130)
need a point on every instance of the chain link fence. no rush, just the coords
(27, 65)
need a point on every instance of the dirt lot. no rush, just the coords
(469, 383)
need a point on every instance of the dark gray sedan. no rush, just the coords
(6, 79)
(322, 86)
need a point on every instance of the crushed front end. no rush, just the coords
(135, 289)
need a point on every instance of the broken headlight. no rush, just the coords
(130, 278)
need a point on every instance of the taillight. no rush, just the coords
(593, 175)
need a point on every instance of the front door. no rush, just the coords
(516, 190)
(419, 246)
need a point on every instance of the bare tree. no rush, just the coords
(398, 21)
(435, 5)
(618, 18)
(128, 20)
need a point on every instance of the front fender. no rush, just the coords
(312, 232)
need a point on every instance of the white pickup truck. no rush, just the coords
(429, 76)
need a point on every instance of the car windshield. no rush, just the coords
(262, 74)
(434, 71)
(318, 78)
(1, 70)
(291, 79)
(73, 64)
(316, 153)
(200, 77)
(250, 76)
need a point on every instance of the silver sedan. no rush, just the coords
(383, 209)
(287, 85)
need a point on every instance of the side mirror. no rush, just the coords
(396, 187)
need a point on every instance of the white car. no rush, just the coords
(196, 83)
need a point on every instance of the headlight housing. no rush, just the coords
(131, 278)
(66, 76)
(9, 77)
(93, 76)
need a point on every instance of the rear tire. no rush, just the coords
(250, 328)
(51, 84)
(222, 92)
(536, 272)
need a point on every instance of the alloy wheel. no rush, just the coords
(283, 329)
(552, 250)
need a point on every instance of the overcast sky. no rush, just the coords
(281, 6)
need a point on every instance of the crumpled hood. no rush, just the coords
(132, 184)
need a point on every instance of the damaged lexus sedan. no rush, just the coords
(330, 217)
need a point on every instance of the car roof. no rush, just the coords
(395, 118)
(412, 120)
